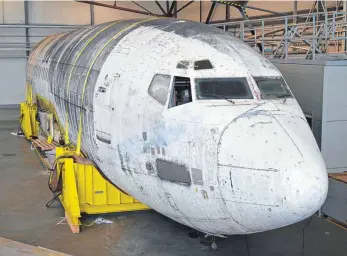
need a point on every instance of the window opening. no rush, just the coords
(182, 92)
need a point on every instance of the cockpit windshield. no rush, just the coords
(222, 88)
(273, 87)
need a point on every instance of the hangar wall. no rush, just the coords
(305, 78)
(12, 61)
(320, 88)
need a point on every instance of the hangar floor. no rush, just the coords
(24, 218)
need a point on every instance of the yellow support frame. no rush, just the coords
(84, 189)
(28, 110)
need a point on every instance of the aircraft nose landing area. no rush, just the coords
(269, 175)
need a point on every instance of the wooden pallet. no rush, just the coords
(43, 145)
(336, 222)
(339, 176)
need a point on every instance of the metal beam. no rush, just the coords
(121, 8)
(244, 5)
(200, 10)
(295, 11)
(175, 10)
(264, 10)
(210, 12)
(174, 3)
(258, 17)
(184, 6)
(250, 26)
(26, 20)
(167, 6)
(227, 15)
(142, 7)
(160, 7)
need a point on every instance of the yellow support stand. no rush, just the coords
(28, 110)
(84, 189)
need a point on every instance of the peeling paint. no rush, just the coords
(144, 136)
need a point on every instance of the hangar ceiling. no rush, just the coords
(232, 10)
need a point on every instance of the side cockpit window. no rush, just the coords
(273, 87)
(182, 92)
(159, 88)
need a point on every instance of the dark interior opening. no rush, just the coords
(309, 121)
(182, 92)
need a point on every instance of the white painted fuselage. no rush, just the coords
(253, 164)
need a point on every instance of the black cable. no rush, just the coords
(246, 241)
(20, 132)
(50, 202)
(303, 235)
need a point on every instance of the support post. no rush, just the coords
(200, 11)
(314, 36)
(26, 20)
(167, 6)
(227, 15)
(175, 10)
(295, 11)
(242, 30)
(286, 37)
(92, 18)
(262, 37)
(326, 25)
(344, 42)
(334, 25)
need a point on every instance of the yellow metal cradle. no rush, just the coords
(83, 188)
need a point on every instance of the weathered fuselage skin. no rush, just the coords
(253, 165)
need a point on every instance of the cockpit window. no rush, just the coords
(219, 88)
(273, 87)
(202, 64)
(182, 92)
(159, 88)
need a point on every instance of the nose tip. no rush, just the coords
(306, 192)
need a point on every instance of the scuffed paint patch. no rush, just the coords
(144, 136)
(258, 123)
(197, 176)
(204, 194)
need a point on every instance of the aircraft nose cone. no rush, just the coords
(270, 171)
(305, 191)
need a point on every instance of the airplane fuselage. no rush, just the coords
(187, 119)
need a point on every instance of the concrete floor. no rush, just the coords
(24, 218)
